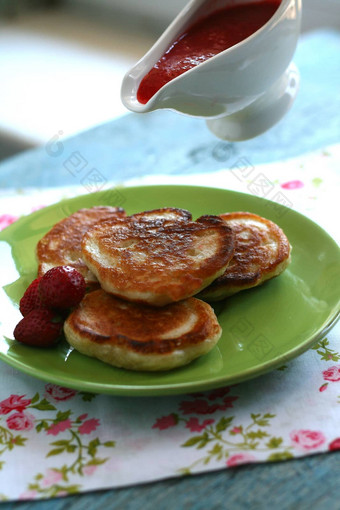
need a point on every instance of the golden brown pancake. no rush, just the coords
(154, 259)
(262, 251)
(62, 244)
(141, 337)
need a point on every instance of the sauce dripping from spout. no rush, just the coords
(205, 39)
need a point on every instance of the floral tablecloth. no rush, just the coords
(73, 441)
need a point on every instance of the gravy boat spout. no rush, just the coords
(243, 90)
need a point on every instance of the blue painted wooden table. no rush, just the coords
(164, 142)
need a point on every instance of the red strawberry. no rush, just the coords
(31, 299)
(39, 327)
(62, 287)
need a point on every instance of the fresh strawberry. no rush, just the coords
(31, 299)
(62, 287)
(40, 327)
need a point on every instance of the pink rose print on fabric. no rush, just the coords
(236, 430)
(200, 406)
(20, 421)
(59, 427)
(334, 445)
(194, 425)
(14, 403)
(28, 495)
(323, 387)
(52, 477)
(89, 470)
(292, 185)
(6, 220)
(240, 458)
(58, 393)
(307, 439)
(332, 373)
(165, 422)
(88, 426)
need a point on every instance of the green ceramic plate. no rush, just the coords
(262, 327)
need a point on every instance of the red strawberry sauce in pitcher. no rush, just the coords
(204, 39)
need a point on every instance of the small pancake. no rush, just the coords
(62, 244)
(141, 337)
(155, 259)
(262, 251)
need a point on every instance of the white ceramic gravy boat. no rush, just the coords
(242, 91)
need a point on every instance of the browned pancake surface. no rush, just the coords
(103, 318)
(141, 337)
(262, 251)
(168, 258)
(62, 244)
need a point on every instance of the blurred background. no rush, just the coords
(62, 61)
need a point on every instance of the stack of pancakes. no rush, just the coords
(143, 272)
